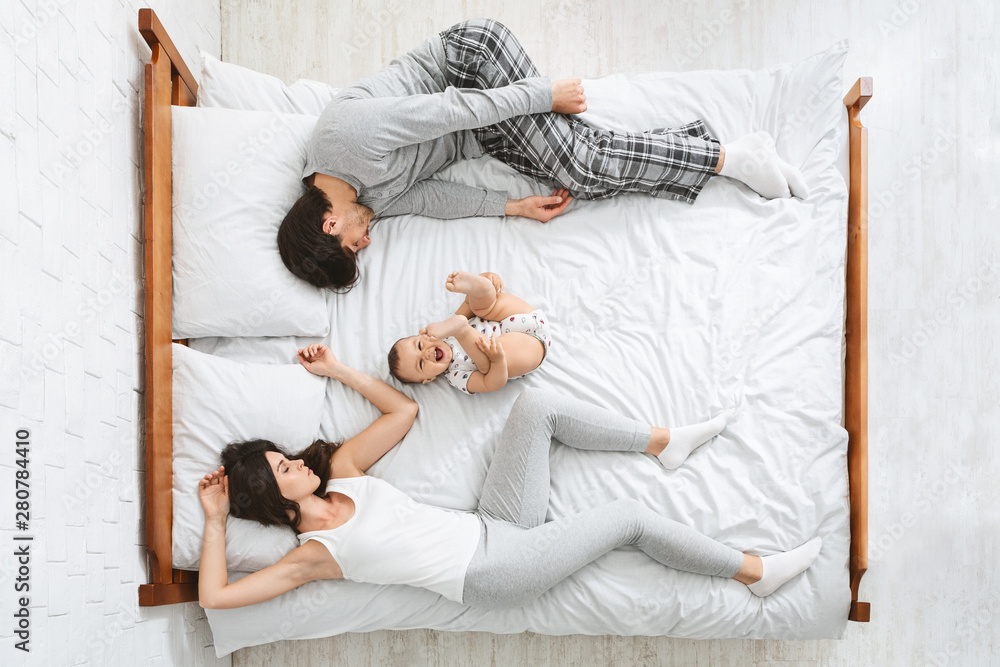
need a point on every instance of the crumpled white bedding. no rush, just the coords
(659, 310)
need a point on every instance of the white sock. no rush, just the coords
(796, 181)
(779, 568)
(686, 439)
(753, 160)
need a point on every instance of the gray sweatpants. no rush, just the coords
(520, 555)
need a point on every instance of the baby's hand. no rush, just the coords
(492, 349)
(445, 328)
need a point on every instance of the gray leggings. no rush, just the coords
(520, 555)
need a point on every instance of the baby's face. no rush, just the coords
(422, 358)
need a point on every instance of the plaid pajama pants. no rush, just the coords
(563, 151)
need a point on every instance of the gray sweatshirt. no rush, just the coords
(388, 134)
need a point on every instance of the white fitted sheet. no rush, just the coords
(659, 310)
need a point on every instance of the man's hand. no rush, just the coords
(568, 97)
(446, 328)
(538, 207)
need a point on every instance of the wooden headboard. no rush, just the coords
(168, 82)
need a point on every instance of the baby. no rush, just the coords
(492, 337)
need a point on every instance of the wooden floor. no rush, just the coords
(934, 300)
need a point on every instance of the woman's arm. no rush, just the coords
(309, 562)
(359, 453)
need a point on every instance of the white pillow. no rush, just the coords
(217, 401)
(235, 175)
(234, 87)
(795, 102)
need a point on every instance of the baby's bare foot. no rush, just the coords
(463, 282)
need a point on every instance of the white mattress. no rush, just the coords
(659, 310)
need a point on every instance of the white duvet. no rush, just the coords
(660, 311)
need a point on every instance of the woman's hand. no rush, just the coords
(213, 491)
(568, 96)
(318, 360)
(540, 208)
(492, 349)
(445, 328)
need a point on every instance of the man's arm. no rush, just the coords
(382, 124)
(447, 200)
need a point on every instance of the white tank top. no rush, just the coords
(393, 539)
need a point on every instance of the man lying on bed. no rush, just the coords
(469, 91)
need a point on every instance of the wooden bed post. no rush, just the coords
(167, 81)
(856, 331)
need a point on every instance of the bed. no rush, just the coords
(660, 311)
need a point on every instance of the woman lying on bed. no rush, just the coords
(356, 527)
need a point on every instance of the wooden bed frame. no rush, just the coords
(168, 81)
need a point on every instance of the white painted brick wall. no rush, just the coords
(71, 321)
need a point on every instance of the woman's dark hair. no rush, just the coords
(253, 490)
(309, 252)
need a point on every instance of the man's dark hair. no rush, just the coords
(309, 252)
